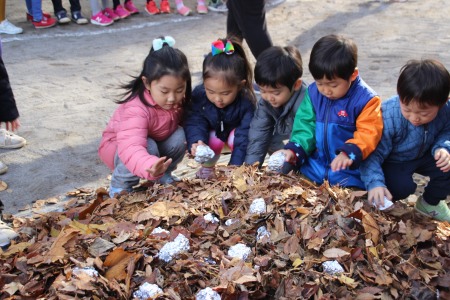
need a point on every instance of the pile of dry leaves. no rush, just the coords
(108, 248)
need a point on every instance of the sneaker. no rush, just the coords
(78, 18)
(164, 7)
(207, 173)
(439, 212)
(129, 5)
(167, 179)
(217, 6)
(101, 20)
(184, 11)
(44, 23)
(202, 9)
(30, 17)
(151, 8)
(3, 168)
(9, 140)
(62, 17)
(7, 234)
(109, 12)
(113, 191)
(9, 28)
(121, 12)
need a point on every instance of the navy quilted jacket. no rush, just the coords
(401, 141)
(202, 116)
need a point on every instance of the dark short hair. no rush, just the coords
(279, 66)
(426, 82)
(333, 56)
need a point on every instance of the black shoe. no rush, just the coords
(78, 18)
(62, 17)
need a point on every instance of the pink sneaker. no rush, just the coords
(129, 5)
(101, 19)
(184, 11)
(121, 12)
(109, 12)
(202, 9)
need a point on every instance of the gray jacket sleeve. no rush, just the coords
(260, 133)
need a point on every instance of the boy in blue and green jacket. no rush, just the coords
(339, 122)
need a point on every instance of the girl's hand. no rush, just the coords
(159, 167)
(376, 196)
(12, 125)
(194, 147)
(442, 158)
(341, 162)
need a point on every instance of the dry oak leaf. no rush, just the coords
(162, 209)
(117, 262)
(335, 253)
(57, 250)
(370, 225)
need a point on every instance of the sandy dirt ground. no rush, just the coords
(66, 78)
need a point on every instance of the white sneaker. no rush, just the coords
(3, 168)
(9, 28)
(9, 140)
(6, 234)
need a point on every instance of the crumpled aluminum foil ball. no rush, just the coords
(276, 162)
(203, 153)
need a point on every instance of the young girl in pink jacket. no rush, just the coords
(144, 139)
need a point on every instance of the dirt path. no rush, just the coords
(65, 78)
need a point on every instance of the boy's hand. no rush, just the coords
(376, 196)
(442, 158)
(341, 162)
(194, 147)
(159, 167)
(289, 155)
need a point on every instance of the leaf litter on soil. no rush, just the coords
(106, 248)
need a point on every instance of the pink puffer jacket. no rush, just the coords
(128, 130)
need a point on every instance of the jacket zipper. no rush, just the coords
(424, 139)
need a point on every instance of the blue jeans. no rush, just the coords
(173, 147)
(399, 180)
(34, 8)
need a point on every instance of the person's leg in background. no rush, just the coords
(247, 20)
(77, 16)
(60, 12)
(6, 26)
(39, 19)
(98, 17)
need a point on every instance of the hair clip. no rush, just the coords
(159, 42)
(218, 47)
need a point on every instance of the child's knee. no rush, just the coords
(402, 191)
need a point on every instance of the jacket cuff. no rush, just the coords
(300, 154)
(353, 152)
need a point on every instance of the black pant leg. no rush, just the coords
(8, 111)
(249, 17)
(438, 188)
(57, 6)
(75, 5)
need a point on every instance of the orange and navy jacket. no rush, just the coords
(323, 128)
